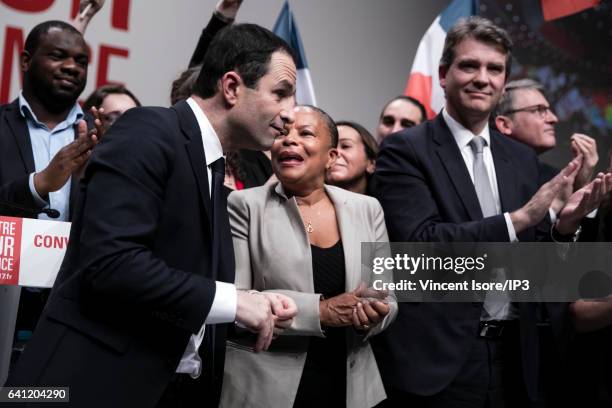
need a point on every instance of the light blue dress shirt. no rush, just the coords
(45, 145)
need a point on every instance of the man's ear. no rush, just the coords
(442, 76)
(371, 166)
(504, 124)
(24, 61)
(333, 156)
(231, 86)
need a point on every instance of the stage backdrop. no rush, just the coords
(359, 51)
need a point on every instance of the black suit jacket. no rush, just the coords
(137, 279)
(255, 167)
(428, 196)
(17, 161)
(215, 24)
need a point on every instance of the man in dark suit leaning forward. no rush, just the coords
(452, 179)
(150, 259)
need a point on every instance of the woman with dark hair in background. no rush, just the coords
(112, 101)
(357, 152)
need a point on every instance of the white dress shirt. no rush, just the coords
(463, 137)
(223, 309)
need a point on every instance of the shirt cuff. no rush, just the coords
(223, 309)
(557, 237)
(592, 214)
(510, 226)
(553, 216)
(225, 18)
(37, 199)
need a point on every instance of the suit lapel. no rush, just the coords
(75, 183)
(20, 133)
(289, 205)
(453, 162)
(506, 176)
(72, 200)
(227, 264)
(195, 152)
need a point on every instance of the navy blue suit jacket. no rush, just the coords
(428, 196)
(137, 279)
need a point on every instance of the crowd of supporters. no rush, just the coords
(299, 211)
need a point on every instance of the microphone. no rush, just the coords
(51, 213)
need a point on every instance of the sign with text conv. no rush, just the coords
(31, 251)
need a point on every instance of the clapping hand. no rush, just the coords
(537, 207)
(582, 202)
(98, 114)
(583, 148)
(92, 137)
(68, 161)
(567, 188)
(587, 147)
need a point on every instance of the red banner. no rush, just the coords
(14, 38)
(10, 250)
(553, 9)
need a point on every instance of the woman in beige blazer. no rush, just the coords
(302, 238)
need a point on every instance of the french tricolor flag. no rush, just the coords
(423, 83)
(286, 28)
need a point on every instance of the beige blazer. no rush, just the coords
(273, 254)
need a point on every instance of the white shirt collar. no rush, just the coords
(212, 145)
(462, 135)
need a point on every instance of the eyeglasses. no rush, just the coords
(541, 110)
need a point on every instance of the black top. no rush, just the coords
(323, 382)
(328, 270)
(255, 168)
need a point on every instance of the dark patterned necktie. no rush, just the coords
(219, 222)
(219, 211)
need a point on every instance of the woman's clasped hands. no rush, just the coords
(362, 308)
